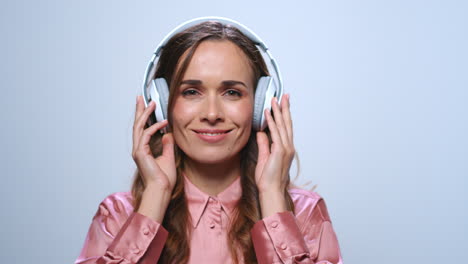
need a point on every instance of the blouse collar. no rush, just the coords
(198, 200)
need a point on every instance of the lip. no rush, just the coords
(221, 134)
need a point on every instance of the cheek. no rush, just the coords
(181, 113)
(242, 114)
(180, 118)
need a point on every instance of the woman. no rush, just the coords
(212, 190)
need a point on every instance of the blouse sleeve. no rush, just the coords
(282, 238)
(116, 237)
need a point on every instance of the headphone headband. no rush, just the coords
(226, 21)
(151, 69)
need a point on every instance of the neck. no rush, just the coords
(213, 178)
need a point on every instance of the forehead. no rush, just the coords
(218, 60)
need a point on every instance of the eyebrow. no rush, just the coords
(225, 83)
(191, 82)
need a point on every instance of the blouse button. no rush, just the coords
(283, 246)
(145, 231)
(274, 224)
(136, 250)
(212, 225)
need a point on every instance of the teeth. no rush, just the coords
(211, 134)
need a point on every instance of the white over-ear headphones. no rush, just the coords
(157, 89)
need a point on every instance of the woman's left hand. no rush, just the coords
(272, 171)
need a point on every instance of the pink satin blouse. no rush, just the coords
(119, 235)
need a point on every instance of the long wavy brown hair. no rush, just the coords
(177, 219)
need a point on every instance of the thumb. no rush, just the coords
(168, 145)
(263, 146)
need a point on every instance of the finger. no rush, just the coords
(139, 124)
(279, 122)
(140, 107)
(275, 137)
(263, 146)
(263, 153)
(145, 138)
(146, 113)
(168, 145)
(286, 111)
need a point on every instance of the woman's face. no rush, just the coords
(213, 107)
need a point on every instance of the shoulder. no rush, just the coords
(308, 205)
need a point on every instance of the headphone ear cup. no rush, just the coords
(263, 97)
(162, 89)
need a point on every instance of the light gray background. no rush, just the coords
(378, 92)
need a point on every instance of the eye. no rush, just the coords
(233, 93)
(190, 92)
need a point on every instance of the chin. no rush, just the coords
(211, 155)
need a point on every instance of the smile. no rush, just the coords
(212, 135)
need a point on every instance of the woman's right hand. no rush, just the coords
(158, 172)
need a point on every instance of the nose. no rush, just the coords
(212, 110)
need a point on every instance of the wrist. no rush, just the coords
(270, 194)
(157, 186)
(154, 202)
(272, 202)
